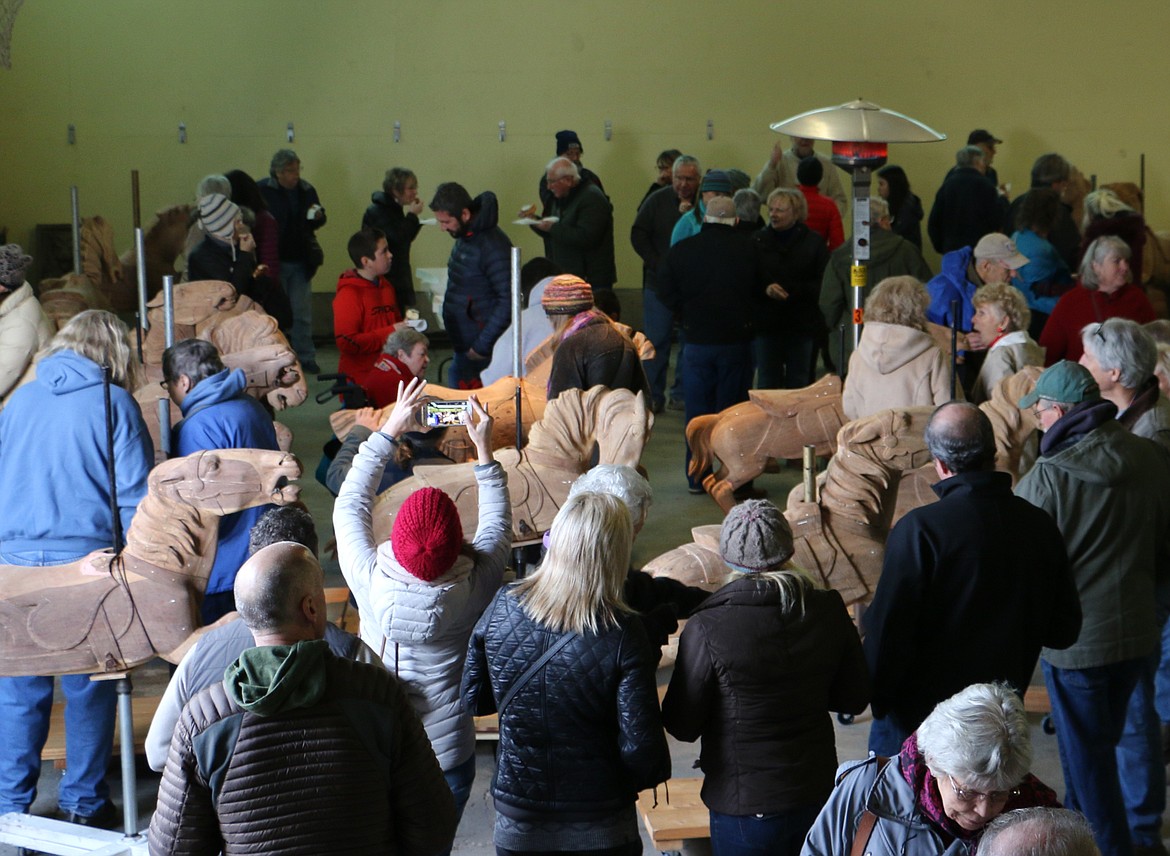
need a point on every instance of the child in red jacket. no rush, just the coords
(365, 309)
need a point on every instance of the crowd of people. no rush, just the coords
(268, 712)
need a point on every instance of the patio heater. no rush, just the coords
(860, 132)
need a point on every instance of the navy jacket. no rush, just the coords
(477, 307)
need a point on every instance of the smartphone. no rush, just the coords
(440, 414)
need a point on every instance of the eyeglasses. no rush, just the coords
(1037, 409)
(969, 796)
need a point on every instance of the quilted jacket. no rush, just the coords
(353, 773)
(584, 734)
(477, 306)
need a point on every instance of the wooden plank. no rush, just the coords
(143, 708)
(1036, 700)
(679, 816)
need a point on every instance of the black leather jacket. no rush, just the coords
(584, 734)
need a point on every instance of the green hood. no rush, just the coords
(273, 679)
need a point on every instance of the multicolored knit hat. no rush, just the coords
(427, 536)
(13, 264)
(566, 295)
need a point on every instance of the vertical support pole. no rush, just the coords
(517, 341)
(809, 471)
(76, 229)
(140, 258)
(858, 273)
(164, 404)
(129, 773)
(135, 201)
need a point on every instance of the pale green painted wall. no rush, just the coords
(1077, 77)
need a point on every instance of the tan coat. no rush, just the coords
(895, 366)
(24, 330)
(1010, 354)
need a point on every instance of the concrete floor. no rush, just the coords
(671, 518)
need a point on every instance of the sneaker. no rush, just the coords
(311, 367)
(695, 489)
(105, 817)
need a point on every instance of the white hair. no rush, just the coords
(1121, 344)
(980, 736)
(619, 480)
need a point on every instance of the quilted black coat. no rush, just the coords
(584, 735)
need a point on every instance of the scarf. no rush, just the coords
(1075, 425)
(274, 679)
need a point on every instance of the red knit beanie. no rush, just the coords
(427, 536)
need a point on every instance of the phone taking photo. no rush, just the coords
(443, 414)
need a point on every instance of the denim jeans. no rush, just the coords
(1088, 710)
(658, 324)
(25, 705)
(294, 276)
(886, 737)
(717, 377)
(459, 779)
(787, 361)
(1139, 762)
(780, 834)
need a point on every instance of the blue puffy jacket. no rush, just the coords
(477, 307)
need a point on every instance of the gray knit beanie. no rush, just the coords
(13, 265)
(755, 537)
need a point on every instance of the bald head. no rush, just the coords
(280, 594)
(959, 436)
(1039, 832)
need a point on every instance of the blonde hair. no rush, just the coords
(789, 581)
(795, 198)
(100, 337)
(898, 300)
(1009, 299)
(1104, 203)
(578, 586)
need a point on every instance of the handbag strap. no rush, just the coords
(519, 683)
(868, 820)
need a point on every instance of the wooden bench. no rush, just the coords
(679, 816)
(143, 708)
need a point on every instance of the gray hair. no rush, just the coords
(1009, 299)
(960, 436)
(103, 338)
(898, 300)
(1097, 252)
(795, 198)
(213, 184)
(195, 358)
(980, 736)
(747, 205)
(685, 160)
(280, 160)
(559, 167)
(619, 480)
(968, 155)
(404, 340)
(1103, 203)
(272, 583)
(1121, 344)
(879, 209)
(1039, 831)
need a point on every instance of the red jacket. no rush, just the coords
(364, 314)
(381, 381)
(1061, 337)
(823, 217)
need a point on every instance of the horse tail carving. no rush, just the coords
(699, 432)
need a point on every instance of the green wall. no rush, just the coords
(1071, 77)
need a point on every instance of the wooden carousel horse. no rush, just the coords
(500, 400)
(195, 304)
(878, 474)
(162, 242)
(560, 448)
(109, 613)
(775, 423)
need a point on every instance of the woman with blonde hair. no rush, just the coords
(1001, 323)
(60, 444)
(760, 664)
(568, 668)
(1106, 213)
(897, 363)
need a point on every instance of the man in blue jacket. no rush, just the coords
(217, 414)
(477, 307)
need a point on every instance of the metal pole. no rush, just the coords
(954, 347)
(129, 773)
(134, 199)
(809, 470)
(858, 274)
(140, 257)
(517, 342)
(76, 229)
(164, 404)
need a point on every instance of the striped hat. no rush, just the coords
(566, 295)
(218, 214)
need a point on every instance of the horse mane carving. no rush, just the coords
(560, 447)
(108, 613)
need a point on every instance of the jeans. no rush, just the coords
(25, 705)
(780, 834)
(1088, 710)
(886, 737)
(634, 848)
(464, 371)
(717, 377)
(658, 323)
(1139, 761)
(459, 780)
(787, 361)
(216, 606)
(294, 276)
